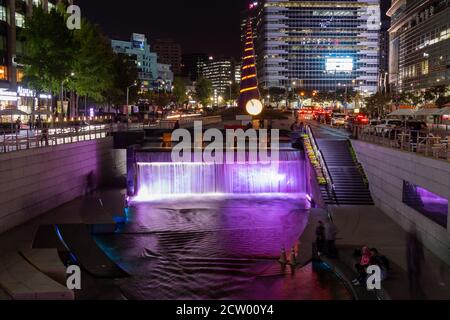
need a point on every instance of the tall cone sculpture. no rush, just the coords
(249, 80)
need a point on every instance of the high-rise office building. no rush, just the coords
(191, 65)
(419, 44)
(220, 72)
(318, 45)
(12, 20)
(169, 52)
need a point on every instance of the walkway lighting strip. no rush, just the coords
(249, 57)
(249, 49)
(248, 67)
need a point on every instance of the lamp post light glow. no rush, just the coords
(254, 107)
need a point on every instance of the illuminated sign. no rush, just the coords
(339, 65)
(138, 41)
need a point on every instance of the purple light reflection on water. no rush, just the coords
(217, 248)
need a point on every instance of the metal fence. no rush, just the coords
(426, 142)
(27, 139)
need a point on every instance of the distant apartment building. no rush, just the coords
(138, 50)
(318, 45)
(169, 52)
(165, 77)
(12, 20)
(151, 73)
(419, 44)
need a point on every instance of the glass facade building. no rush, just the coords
(319, 45)
(419, 44)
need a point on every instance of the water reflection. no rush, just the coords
(216, 248)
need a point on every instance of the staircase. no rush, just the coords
(349, 186)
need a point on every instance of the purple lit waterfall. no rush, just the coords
(158, 177)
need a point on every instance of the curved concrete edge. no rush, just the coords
(21, 281)
(359, 293)
(48, 262)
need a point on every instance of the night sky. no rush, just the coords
(200, 26)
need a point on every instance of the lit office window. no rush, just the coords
(20, 74)
(3, 73)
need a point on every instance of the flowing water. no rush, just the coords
(219, 247)
(158, 176)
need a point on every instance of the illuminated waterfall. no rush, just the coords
(165, 179)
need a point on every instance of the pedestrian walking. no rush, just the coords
(44, 135)
(320, 238)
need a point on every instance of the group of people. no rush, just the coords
(370, 257)
(36, 125)
(326, 234)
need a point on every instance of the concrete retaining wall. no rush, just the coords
(387, 169)
(37, 180)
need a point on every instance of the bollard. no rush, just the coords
(283, 257)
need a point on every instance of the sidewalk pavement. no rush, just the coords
(367, 225)
(81, 210)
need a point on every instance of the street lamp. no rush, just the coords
(230, 83)
(128, 92)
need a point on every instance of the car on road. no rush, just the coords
(359, 120)
(338, 119)
(388, 125)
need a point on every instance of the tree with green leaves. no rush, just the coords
(49, 50)
(203, 90)
(93, 62)
(377, 105)
(124, 74)
(234, 89)
(179, 90)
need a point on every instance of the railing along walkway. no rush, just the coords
(29, 139)
(424, 142)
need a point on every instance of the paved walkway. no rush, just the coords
(75, 212)
(367, 225)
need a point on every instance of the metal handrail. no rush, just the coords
(323, 164)
(13, 143)
(413, 141)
